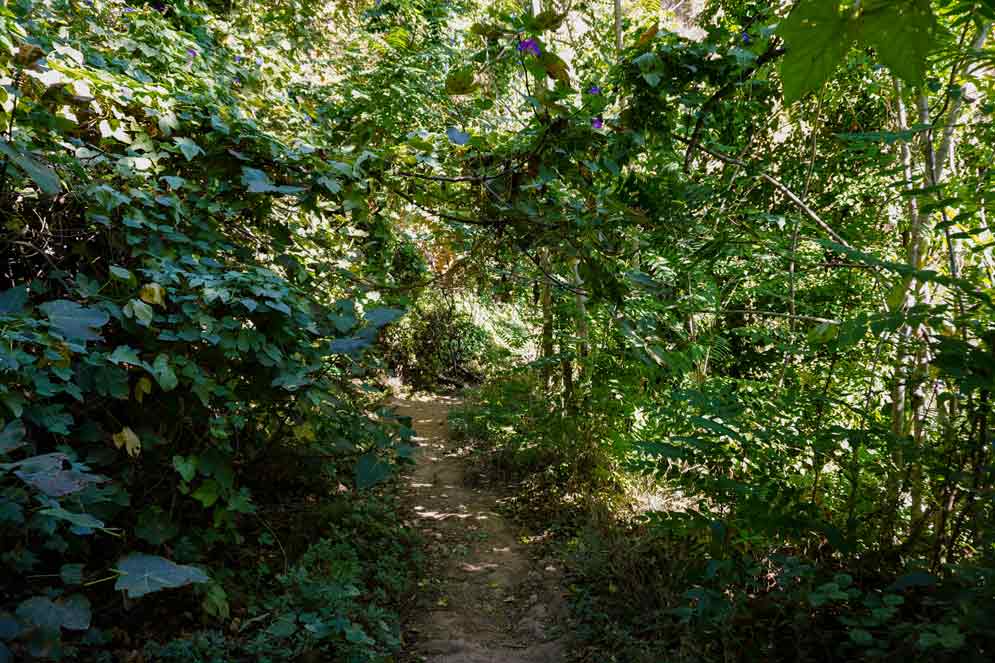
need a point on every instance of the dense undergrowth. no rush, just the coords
(654, 569)
(183, 333)
(729, 289)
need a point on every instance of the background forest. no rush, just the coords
(721, 273)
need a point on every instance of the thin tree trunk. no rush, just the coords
(618, 26)
(547, 324)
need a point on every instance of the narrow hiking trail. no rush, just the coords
(485, 600)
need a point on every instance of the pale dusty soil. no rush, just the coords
(486, 598)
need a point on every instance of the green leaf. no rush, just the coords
(13, 300)
(72, 613)
(155, 527)
(823, 333)
(124, 354)
(40, 174)
(145, 574)
(258, 181)
(75, 322)
(370, 471)
(140, 311)
(378, 317)
(903, 32)
(187, 467)
(163, 373)
(817, 38)
(121, 273)
(460, 81)
(12, 436)
(207, 493)
(189, 148)
(457, 136)
(84, 520)
(71, 574)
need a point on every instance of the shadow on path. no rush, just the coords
(485, 600)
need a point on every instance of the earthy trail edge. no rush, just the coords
(485, 599)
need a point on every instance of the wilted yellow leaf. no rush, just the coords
(127, 439)
(153, 293)
(142, 389)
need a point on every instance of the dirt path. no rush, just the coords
(486, 600)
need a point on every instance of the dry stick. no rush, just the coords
(780, 186)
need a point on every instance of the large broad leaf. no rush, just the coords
(155, 527)
(903, 33)
(817, 38)
(81, 520)
(460, 81)
(75, 322)
(348, 346)
(40, 174)
(13, 300)
(12, 436)
(72, 613)
(144, 574)
(370, 471)
(163, 373)
(48, 474)
(457, 136)
(259, 182)
(378, 317)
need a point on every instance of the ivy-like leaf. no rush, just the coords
(378, 317)
(460, 81)
(189, 148)
(370, 471)
(13, 300)
(40, 174)
(12, 436)
(72, 613)
(75, 322)
(163, 373)
(82, 520)
(457, 136)
(124, 354)
(47, 473)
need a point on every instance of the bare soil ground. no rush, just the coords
(486, 598)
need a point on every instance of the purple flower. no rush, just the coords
(746, 38)
(192, 53)
(594, 89)
(259, 61)
(529, 46)
(597, 122)
(128, 10)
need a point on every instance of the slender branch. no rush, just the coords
(444, 215)
(780, 186)
(772, 53)
(467, 178)
(768, 314)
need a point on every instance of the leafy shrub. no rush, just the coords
(438, 345)
(161, 332)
